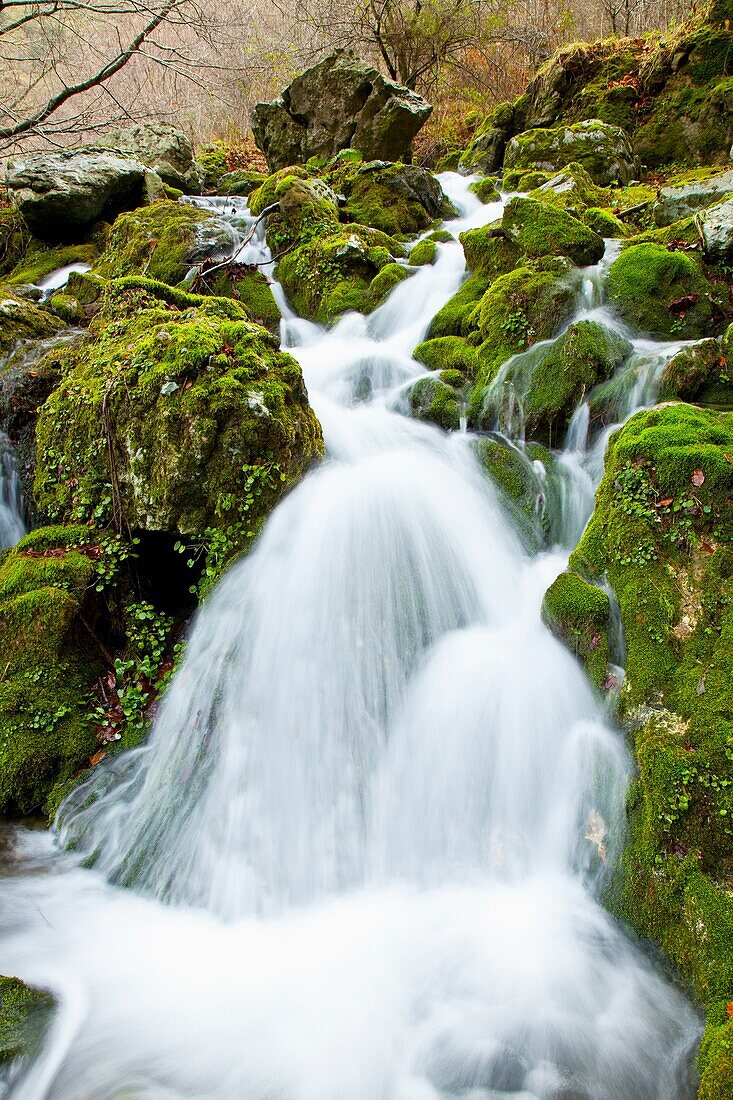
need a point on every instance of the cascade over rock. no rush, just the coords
(340, 103)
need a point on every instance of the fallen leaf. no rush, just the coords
(729, 1009)
(728, 458)
(698, 477)
(97, 758)
(666, 503)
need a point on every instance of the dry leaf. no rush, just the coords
(698, 477)
(97, 758)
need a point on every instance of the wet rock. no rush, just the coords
(717, 231)
(680, 200)
(21, 319)
(24, 1015)
(342, 102)
(579, 614)
(538, 229)
(698, 373)
(61, 194)
(603, 150)
(395, 198)
(161, 147)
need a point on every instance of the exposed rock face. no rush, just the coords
(60, 194)
(603, 150)
(340, 103)
(683, 199)
(717, 231)
(162, 147)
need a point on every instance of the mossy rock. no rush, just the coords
(453, 319)
(21, 320)
(573, 190)
(605, 223)
(25, 1014)
(519, 488)
(163, 241)
(699, 373)
(579, 614)
(213, 162)
(485, 189)
(242, 181)
(486, 151)
(398, 199)
(249, 286)
(50, 658)
(66, 308)
(163, 412)
(326, 276)
(489, 251)
(40, 260)
(437, 401)
(520, 308)
(266, 194)
(662, 293)
(601, 148)
(588, 353)
(424, 252)
(385, 281)
(448, 353)
(538, 229)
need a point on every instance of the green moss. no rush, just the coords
(243, 181)
(67, 308)
(23, 320)
(605, 223)
(572, 190)
(519, 489)
(434, 400)
(485, 189)
(40, 260)
(385, 281)
(397, 199)
(698, 373)
(50, 659)
(448, 353)
(716, 1054)
(662, 293)
(164, 409)
(453, 318)
(424, 252)
(250, 287)
(24, 1016)
(601, 148)
(489, 251)
(158, 241)
(213, 162)
(266, 194)
(586, 354)
(539, 229)
(579, 614)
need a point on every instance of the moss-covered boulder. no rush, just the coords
(579, 614)
(13, 238)
(698, 373)
(448, 353)
(25, 1014)
(164, 410)
(164, 241)
(22, 320)
(454, 318)
(438, 401)
(485, 189)
(486, 151)
(572, 189)
(399, 199)
(605, 223)
(424, 252)
(490, 251)
(588, 353)
(688, 192)
(602, 149)
(50, 656)
(538, 229)
(661, 534)
(519, 486)
(662, 293)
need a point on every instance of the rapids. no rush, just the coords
(362, 854)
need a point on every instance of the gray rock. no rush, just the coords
(342, 102)
(162, 147)
(61, 194)
(717, 232)
(603, 150)
(682, 200)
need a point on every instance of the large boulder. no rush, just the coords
(603, 150)
(165, 410)
(539, 229)
(61, 194)
(342, 102)
(162, 147)
(680, 200)
(396, 198)
(717, 232)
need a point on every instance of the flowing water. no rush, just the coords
(361, 856)
(12, 526)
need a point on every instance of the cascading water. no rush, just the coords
(12, 526)
(368, 835)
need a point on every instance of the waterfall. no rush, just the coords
(12, 526)
(363, 853)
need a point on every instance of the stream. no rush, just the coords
(363, 853)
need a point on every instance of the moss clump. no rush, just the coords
(539, 229)
(398, 199)
(489, 251)
(66, 308)
(579, 614)
(453, 319)
(605, 223)
(448, 353)
(213, 161)
(586, 354)
(242, 181)
(50, 658)
(163, 241)
(601, 148)
(437, 401)
(518, 485)
(485, 189)
(573, 190)
(424, 252)
(526, 305)
(22, 320)
(385, 281)
(24, 1015)
(662, 293)
(698, 373)
(250, 287)
(40, 260)
(266, 194)
(164, 410)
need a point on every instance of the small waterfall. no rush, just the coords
(12, 526)
(363, 852)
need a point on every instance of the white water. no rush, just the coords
(368, 836)
(12, 526)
